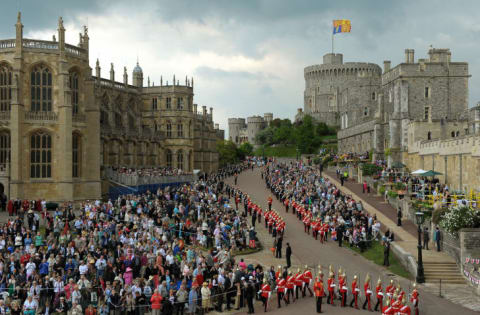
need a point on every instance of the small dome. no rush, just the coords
(137, 69)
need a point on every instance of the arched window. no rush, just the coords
(169, 158)
(180, 130)
(169, 130)
(180, 160)
(118, 120)
(4, 148)
(5, 88)
(76, 153)
(40, 155)
(41, 89)
(74, 91)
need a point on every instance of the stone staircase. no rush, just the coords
(446, 271)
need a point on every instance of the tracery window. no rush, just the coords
(74, 90)
(76, 151)
(41, 89)
(5, 88)
(40, 155)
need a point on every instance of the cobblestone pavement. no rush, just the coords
(308, 251)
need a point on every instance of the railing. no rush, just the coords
(78, 117)
(41, 116)
(114, 84)
(5, 116)
(39, 44)
(7, 43)
(136, 180)
(75, 51)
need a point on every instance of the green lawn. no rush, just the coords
(375, 254)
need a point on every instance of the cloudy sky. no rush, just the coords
(247, 56)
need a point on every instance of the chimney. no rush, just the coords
(161, 81)
(386, 66)
(211, 111)
(204, 108)
(195, 108)
(112, 72)
(217, 126)
(407, 55)
(411, 55)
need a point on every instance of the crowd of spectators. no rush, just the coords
(169, 251)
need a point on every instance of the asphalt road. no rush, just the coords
(313, 253)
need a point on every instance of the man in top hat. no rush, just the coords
(379, 292)
(319, 292)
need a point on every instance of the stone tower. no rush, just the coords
(137, 76)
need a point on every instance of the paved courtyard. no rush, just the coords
(308, 251)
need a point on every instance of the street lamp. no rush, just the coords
(420, 274)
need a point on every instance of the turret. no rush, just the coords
(137, 76)
(61, 35)
(125, 76)
(19, 33)
(112, 73)
(97, 69)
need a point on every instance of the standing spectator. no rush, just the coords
(386, 253)
(399, 217)
(288, 255)
(182, 296)
(426, 238)
(278, 252)
(364, 186)
(437, 238)
(156, 301)
(249, 295)
(192, 299)
(205, 291)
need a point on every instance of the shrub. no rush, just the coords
(381, 190)
(316, 161)
(392, 194)
(458, 218)
(369, 169)
(438, 214)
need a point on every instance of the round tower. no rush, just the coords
(235, 125)
(327, 84)
(137, 76)
(254, 125)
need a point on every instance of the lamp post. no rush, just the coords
(420, 273)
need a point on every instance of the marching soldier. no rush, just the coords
(387, 309)
(319, 292)
(307, 278)
(298, 282)
(390, 289)
(281, 290)
(414, 298)
(290, 286)
(286, 204)
(331, 288)
(368, 293)
(379, 293)
(342, 286)
(265, 293)
(405, 309)
(270, 201)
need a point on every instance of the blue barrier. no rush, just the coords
(115, 191)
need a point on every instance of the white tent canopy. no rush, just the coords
(419, 172)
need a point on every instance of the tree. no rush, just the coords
(245, 149)
(227, 151)
(306, 140)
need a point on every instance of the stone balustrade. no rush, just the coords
(41, 116)
(5, 116)
(7, 44)
(39, 44)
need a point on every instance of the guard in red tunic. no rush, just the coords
(281, 290)
(379, 293)
(290, 286)
(387, 309)
(331, 288)
(343, 288)
(414, 298)
(390, 289)
(405, 309)
(265, 292)
(10, 207)
(368, 293)
(307, 278)
(355, 292)
(319, 292)
(286, 203)
(267, 217)
(298, 282)
(306, 224)
(270, 200)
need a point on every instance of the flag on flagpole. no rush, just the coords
(341, 26)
